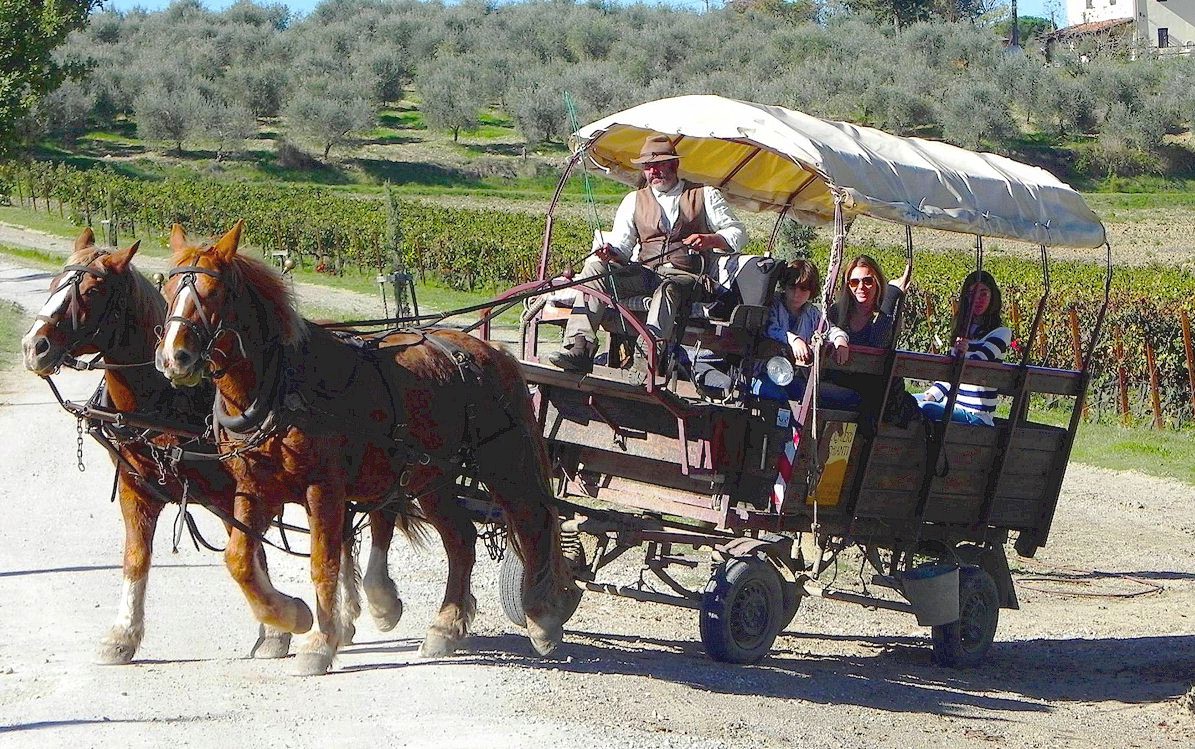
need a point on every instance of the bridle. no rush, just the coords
(203, 330)
(257, 413)
(78, 273)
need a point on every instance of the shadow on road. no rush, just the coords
(43, 724)
(1020, 676)
(96, 568)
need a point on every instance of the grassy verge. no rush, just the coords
(1163, 453)
(12, 322)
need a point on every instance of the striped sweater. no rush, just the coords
(979, 400)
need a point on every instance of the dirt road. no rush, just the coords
(1067, 670)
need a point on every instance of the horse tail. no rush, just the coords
(550, 583)
(347, 606)
(414, 528)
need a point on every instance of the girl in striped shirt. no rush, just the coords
(987, 340)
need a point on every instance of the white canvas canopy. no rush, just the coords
(766, 157)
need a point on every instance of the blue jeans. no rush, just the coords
(934, 411)
(829, 394)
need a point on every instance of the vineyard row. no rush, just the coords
(1142, 365)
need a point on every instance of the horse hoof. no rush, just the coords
(436, 645)
(271, 644)
(544, 638)
(347, 633)
(116, 651)
(312, 664)
(388, 618)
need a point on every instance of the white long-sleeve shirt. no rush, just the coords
(624, 237)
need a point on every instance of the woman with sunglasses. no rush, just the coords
(792, 322)
(866, 310)
(867, 302)
(984, 338)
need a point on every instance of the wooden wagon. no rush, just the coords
(655, 465)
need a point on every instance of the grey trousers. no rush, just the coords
(672, 293)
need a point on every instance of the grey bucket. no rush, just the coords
(933, 591)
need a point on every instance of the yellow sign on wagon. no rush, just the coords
(836, 448)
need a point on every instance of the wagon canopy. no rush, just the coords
(768, 157)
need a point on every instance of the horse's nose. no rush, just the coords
(40, 346)
(182, 358)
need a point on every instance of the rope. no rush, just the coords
(1070, 581)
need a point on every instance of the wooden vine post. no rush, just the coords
(1186, 321)
(929, 319)
(1155, 394)
(1122, 381)
(1077, 349)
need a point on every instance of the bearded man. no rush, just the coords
(677, 226)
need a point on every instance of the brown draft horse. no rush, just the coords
(101, 304)
(318, 418)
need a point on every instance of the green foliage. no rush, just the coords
(452, 94)
(30, 30)
(462, 248)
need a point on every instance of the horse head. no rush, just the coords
(89, 306)
(221, 306)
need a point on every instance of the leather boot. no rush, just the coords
(576, 358)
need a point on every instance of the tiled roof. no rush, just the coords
(1095, 27)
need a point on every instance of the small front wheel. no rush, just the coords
(742, 610)
(510, 586)
(963, 644)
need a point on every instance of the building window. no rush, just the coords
(1163, 38)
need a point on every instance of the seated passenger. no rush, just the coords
(792, 321)
(986, 340)
(867, 302)
(866, 309)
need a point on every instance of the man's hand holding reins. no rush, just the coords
(698, 242)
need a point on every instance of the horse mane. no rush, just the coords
(256, 278)
(146, 304)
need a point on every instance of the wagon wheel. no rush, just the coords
(742, 610)
(963, 644)
(510, 585)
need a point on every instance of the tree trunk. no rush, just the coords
(327, 149)
(456, 132)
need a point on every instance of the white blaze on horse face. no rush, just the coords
(178, 310)
(55, 304)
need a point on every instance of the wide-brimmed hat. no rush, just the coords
(655, 149)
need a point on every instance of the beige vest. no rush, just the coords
(691, 219)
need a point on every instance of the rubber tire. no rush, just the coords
(510, 587)
(741, 610)
(965, 643)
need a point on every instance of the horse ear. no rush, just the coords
(226, 248)
(86, 239)
(178, 238)
(119, 261)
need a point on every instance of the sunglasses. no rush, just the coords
(867, 281)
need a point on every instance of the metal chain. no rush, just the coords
(493, 535)
(79, 444)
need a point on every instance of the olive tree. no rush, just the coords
(168, 115)
(452, 94)
(329, 112)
